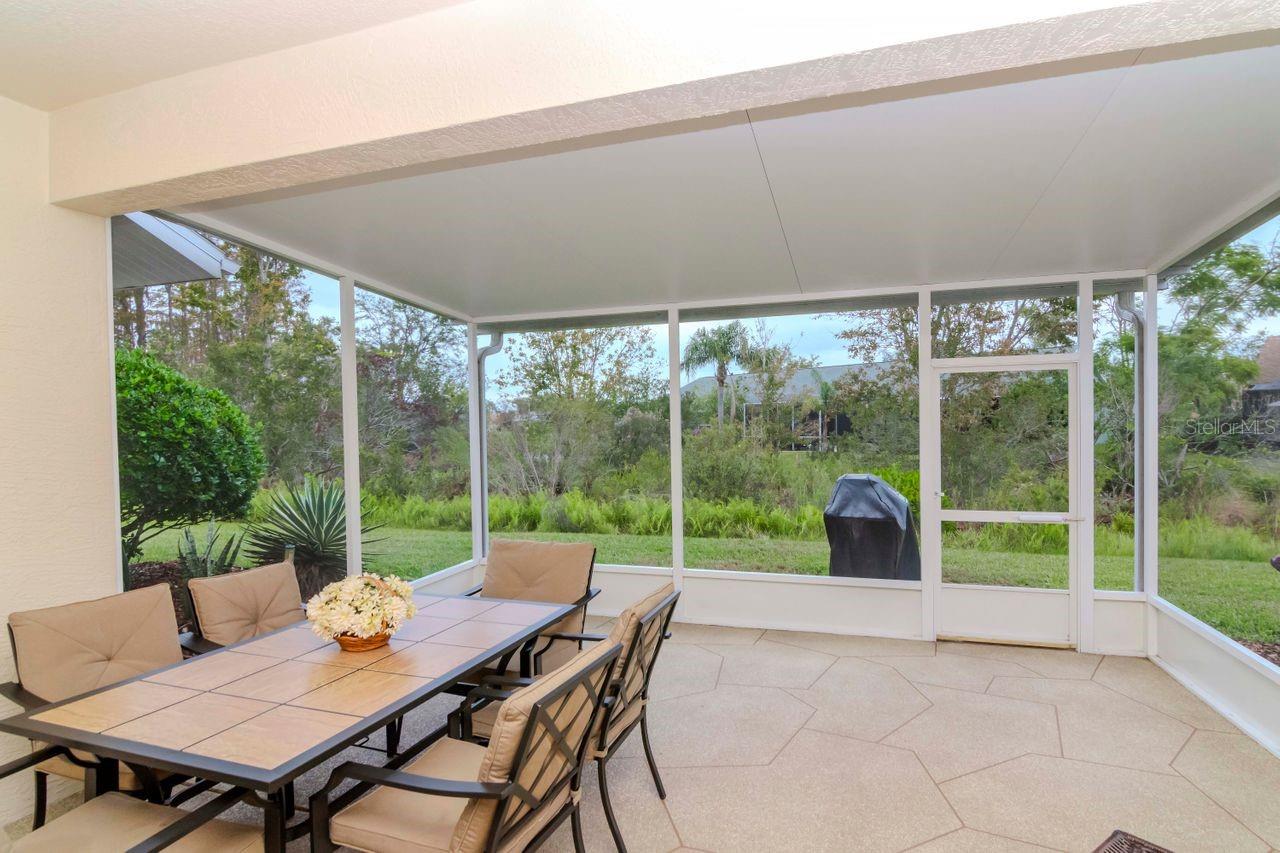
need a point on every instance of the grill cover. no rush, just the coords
(871, 531)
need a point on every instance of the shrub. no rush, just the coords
(187, 453)
(417, 512)
(719, 465)
(515, 515)
(574, 512)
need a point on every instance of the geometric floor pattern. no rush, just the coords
(779, 741)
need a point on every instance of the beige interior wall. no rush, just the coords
(58, 516)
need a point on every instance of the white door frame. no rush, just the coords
(994, 601)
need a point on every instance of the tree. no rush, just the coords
(1208, 344)
(612, 366)
(721, 346)
(254, 338)
(772, 367)
(412, 387)
(187, 453)
(826, 397)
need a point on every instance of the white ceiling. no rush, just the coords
(1114, 169)
(58, 52)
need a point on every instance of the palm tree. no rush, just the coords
(720, 346)
(826, 395)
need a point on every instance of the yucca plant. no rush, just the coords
(313, 519)
(204, 562)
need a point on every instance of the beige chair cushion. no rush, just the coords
(389, 820)
(625, 627)
(115, 822)
(394, 821)
(241, 605)
(650, 635)
(73, 648)
(556, 572)
(544, 766)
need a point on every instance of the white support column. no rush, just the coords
(350, 421)
(930, 473)
(1084, 468)
(1150, 458)
(677, 448)
(475, 423)
(115, 433)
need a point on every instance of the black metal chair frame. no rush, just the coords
(368, 776)
(160, 840)
(497, 688)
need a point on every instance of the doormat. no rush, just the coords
(1123, 842)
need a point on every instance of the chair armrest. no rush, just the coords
(14, 692)
(504, 681)
(492, 688)
(585, 638)
(31, 760)
(420, 784)
(475, 590)
(196, 644)
(565, 635)
(44, 754)
(189, 822)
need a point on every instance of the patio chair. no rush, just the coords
(639, 630)
(63, 651)
(241, 605)
(114, 821)
(555, 572)
(447, 794)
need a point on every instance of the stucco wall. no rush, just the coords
(58, 535)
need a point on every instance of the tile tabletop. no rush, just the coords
(289, 696)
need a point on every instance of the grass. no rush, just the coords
(1241, 598)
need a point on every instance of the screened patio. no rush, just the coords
(988, 291)
(1052, 192)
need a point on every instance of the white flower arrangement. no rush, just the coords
(361, 606)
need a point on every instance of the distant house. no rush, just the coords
(1262, 399)
(742, 395)
(745, 387)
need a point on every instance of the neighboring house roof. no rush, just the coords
(802, 385)
(1269, 361)
(147, 250)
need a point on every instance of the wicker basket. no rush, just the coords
(351, 643)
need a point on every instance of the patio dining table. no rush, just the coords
(260, 713)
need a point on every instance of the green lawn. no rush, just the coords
(1239, 598)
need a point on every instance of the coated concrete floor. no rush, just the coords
(777, 741)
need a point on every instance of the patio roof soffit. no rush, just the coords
(500, 92)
